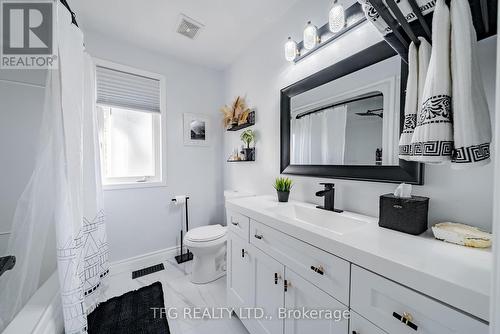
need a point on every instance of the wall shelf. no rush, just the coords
(240, 160)
(251, 121)
(252, 157)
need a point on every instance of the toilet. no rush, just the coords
(208, 245)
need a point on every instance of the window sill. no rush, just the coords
(135, 185)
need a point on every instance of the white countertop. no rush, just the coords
(456, 275)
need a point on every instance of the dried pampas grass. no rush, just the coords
(235, 114)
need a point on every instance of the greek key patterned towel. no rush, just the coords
(432, 140)
(471, 117)
(414, 91)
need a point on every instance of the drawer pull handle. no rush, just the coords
(235, 224)
(320, 270)
(260, 237)
(287, 285)
(276, 278)
(243, 252)
(406, 319)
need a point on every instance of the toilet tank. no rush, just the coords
(229, 194)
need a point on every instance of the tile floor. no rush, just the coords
(179, 293)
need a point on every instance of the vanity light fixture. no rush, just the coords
(336, 17)
(341, 20)
(311, 36)
(291, 50)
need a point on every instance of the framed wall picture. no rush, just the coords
(197, 130)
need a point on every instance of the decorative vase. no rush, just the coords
(283, 196)
(249, 154)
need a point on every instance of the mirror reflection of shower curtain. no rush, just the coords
(319, 138)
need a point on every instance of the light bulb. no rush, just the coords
(290, 50)
(336, 18)
(311, 38)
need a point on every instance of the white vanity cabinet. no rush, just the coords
(303, 294)
(275, 271)
(258, 279)
(359, 325)
(400, 310)
(239, 293)
(268, 292)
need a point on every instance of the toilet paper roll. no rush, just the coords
(180, 199)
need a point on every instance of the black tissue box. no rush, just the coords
(408, 215)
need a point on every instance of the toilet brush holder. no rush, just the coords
(188, 256)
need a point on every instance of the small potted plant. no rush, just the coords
(283, 186)
(248, 137)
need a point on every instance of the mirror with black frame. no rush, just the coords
(345, 121)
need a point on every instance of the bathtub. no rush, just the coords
(43, 312)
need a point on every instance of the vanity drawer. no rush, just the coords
(359, 325)
(238, 224)
(383, 301)
(326, 271)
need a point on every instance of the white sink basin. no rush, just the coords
(331, 221)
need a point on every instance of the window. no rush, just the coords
(130, 117)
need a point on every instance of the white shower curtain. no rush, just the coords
(82, 249)
(64, 191)
(319, 138)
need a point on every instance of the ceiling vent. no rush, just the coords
(189, 27)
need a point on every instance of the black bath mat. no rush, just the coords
(131, 313)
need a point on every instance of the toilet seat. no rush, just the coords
(206, 234)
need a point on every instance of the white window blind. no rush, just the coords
(126, 90)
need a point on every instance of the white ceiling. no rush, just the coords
(230, 25)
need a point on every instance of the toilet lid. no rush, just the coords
(206, 233)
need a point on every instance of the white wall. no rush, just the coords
(260, 73)
(143, 220)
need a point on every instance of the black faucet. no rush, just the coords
(329, 194)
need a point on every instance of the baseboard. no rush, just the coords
(143, 261)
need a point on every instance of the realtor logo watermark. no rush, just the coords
(27, 38)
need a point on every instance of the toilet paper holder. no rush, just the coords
(188, 256)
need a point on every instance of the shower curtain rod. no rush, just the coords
(73, 15)
(336, 104)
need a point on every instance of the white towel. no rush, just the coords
(372, 16)
(424, 58)
(471, 117)
(426, 6)
(411, 104)
(417, 73)
(432, 140)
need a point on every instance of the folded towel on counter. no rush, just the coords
(471, 117)
(411, 104)
(418, 64)
(426, 6)
(432, 140)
